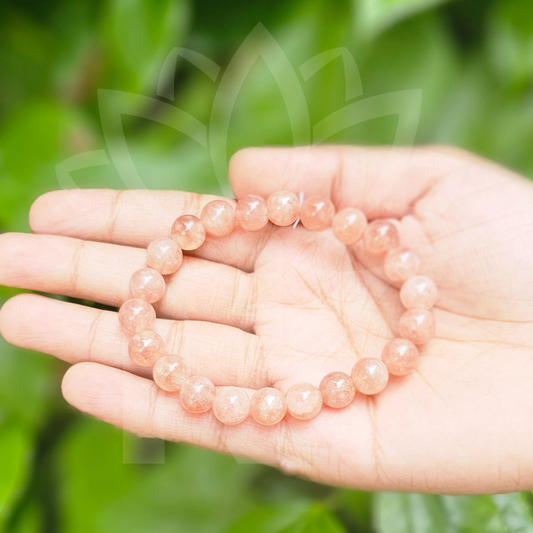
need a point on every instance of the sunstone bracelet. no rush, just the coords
(303, 401)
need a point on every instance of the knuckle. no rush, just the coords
(193, 204)
(151, 424)
(76, 262)
(175, 336)
(93, 334)
(255, 358)
(115, 210)
(243, 300)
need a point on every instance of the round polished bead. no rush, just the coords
(147, 284)
(283, 208)
(252, 213)
(417, 325)
(170, 372)
(164, 255)
(218, 218)
(419, 291)
(197, 394)
(338, 389)
(401, 263)
(268, 406)
(400, 356)
(349, 225)
(188, 231)
(380, 236)
(304, 401)
(136, 315)
(146, 347)
(370, 375)
(317, 213)
(231, 405)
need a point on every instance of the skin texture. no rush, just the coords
(292, 305)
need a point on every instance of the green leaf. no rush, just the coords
(138, 35)
(193, 490)
(28, 384)
(30, 137)
(425, 513)
(271, 519)
(294, 517)
(409, 513)
(35, 138)
(514, 511)
(92, 473)
(16, 443)
(356, 506)
(26, 54)
(318, 519)
(471, 514)
(418, 53)
(28, 518)
(510, 41)
(374, 16)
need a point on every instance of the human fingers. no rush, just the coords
(199, 290)
(76, 333)
(136, 218)
(306, 448)
(381, 181)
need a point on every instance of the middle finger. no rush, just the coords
(199, 290)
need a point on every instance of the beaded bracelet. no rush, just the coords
(268, 406)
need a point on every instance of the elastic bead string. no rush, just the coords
(303, 401)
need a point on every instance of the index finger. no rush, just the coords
(136, 218)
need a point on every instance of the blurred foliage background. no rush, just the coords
(473, 61)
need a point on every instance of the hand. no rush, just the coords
(287, 305)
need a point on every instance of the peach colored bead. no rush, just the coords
(147, 284)
(231, 405)
(164, 255)
(419, 291)
(189, 232)
(317, 213)
(417, 325)
(304, 401)
(400, 356)
(283, 208)
(136, 315)
(338, 389)
(380, 236)
(252, 212)
(197, 394)
(370, 375)
(218, 218)
(401, 263)
(170, 372)
(349, 225)
(146, 347)
(268, 406)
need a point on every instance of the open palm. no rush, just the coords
(285, 305)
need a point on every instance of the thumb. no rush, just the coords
(381, 181)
